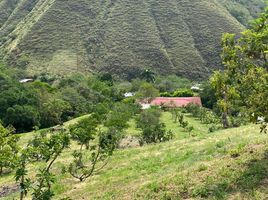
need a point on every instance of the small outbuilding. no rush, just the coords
(26, 80)
(129, 94)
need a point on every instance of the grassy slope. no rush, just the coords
(171, 36)
(227, 164)
(244, 10)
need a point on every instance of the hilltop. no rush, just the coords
(120, 37)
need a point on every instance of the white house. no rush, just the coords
(129, 94)
(26, 80)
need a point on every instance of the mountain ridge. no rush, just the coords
(121, 37)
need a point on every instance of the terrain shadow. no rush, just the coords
(252, 178)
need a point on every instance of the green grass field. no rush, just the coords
(226, 164)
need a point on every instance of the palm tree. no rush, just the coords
(148, 75)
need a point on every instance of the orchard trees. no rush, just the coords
(153, 131)
(45, 148)
(97, 138)
(242, 85)
(8, 149)
(96, 144)
(89, 161)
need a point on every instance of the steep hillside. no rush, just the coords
(244, 10)
(118, 36)
(226, 164)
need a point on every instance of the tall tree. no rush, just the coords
(148, 75)
(244, 81)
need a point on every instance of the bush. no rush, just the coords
(183, 93)
(184, 124)
(189, 129)
(205, 115)
(153, 131)
(180, 118)
(207, 95)
(178, 93)
(155, 134)
(8, 149)
(212, 128)
(238, 121)
(165, 94)
(194, 109)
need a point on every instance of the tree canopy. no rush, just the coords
(242, 87)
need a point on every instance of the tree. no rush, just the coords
(51, 148)
(119, 116)
(107, 77)
(171, 83)
(22, 172)
(8, 149)
(82, 168)
(218, 82)
(46, 148)
(23, 118)
(148, 75)
(207, 95)
(153, 131)
(97, 144)
(147, 92)
(243, 83)
(54, 112)
(85, 131)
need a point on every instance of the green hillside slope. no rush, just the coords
(121, 37)
(244, 10)
(226, 164)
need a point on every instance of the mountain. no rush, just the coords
(244, 10)
(120, 36)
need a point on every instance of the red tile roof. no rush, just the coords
(176, 101)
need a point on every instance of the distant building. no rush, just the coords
(196, 87)
(27, 80)
(145, 106)
(129, 94)
(172, 102)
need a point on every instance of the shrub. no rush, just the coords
(153, 131)
(165, 94)
(205, 115)
(178, 93)
(189, 129)
(175, 114)
(183, 93)
(238, 121)
(212, 128)
(184, 124)
(155, 134)
(180, 119)
(194, 109)
(8, 149)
